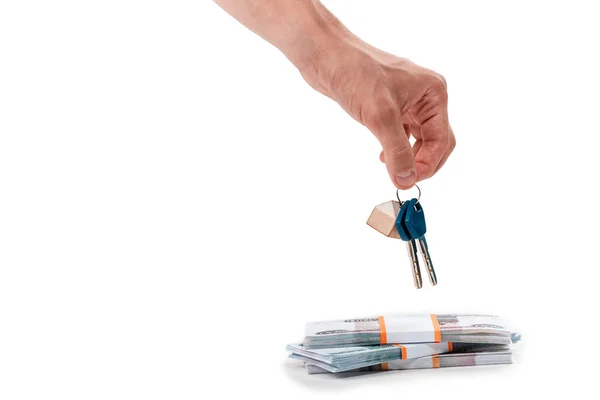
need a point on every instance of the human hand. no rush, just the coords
(394, 98)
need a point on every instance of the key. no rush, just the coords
(383, 219)
(414, 220)
(406, 221)
(410, 244)
(425, 252)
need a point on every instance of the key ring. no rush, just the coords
(418, 198)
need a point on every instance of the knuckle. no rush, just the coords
(443, 80)
(452, 143)
(432, 151)
(399, 151)
(442, 93)
(439, 88)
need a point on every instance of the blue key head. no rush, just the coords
(414, 220)
(400, 227)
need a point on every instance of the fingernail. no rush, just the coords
(406, 179)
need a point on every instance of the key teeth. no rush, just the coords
(414, 260)
(427, 259)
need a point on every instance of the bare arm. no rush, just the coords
(296, 27)
(393, 97)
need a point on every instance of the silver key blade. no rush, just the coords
(427, 257)
(416, 269)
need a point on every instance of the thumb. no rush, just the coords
(399, 157)
(382, 117)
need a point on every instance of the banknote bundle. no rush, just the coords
(495, 357)
(404, 341)
(409, 328)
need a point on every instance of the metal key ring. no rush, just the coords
(418, 198)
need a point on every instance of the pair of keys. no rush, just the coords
(406, 221)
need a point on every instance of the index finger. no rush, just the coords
(435, 134)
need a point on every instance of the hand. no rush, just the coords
(391, 96)
(394, 98)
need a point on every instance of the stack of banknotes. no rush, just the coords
(404, 341)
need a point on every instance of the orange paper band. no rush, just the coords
(450, 346)
(402, 349)
(382, 331)
(436, 329)
(435, 361)
(384, 366)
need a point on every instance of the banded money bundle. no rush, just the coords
(496, 357)
(409, 328)
(404, 341)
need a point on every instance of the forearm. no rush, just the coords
(299, 28)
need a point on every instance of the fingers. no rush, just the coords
(415, 149)
(399, 160)
(419, 143)
(435, 141)
(449, 149)
(398, 156)
(381, 115)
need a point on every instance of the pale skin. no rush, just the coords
(393, 97)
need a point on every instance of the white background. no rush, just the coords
(175, 201)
